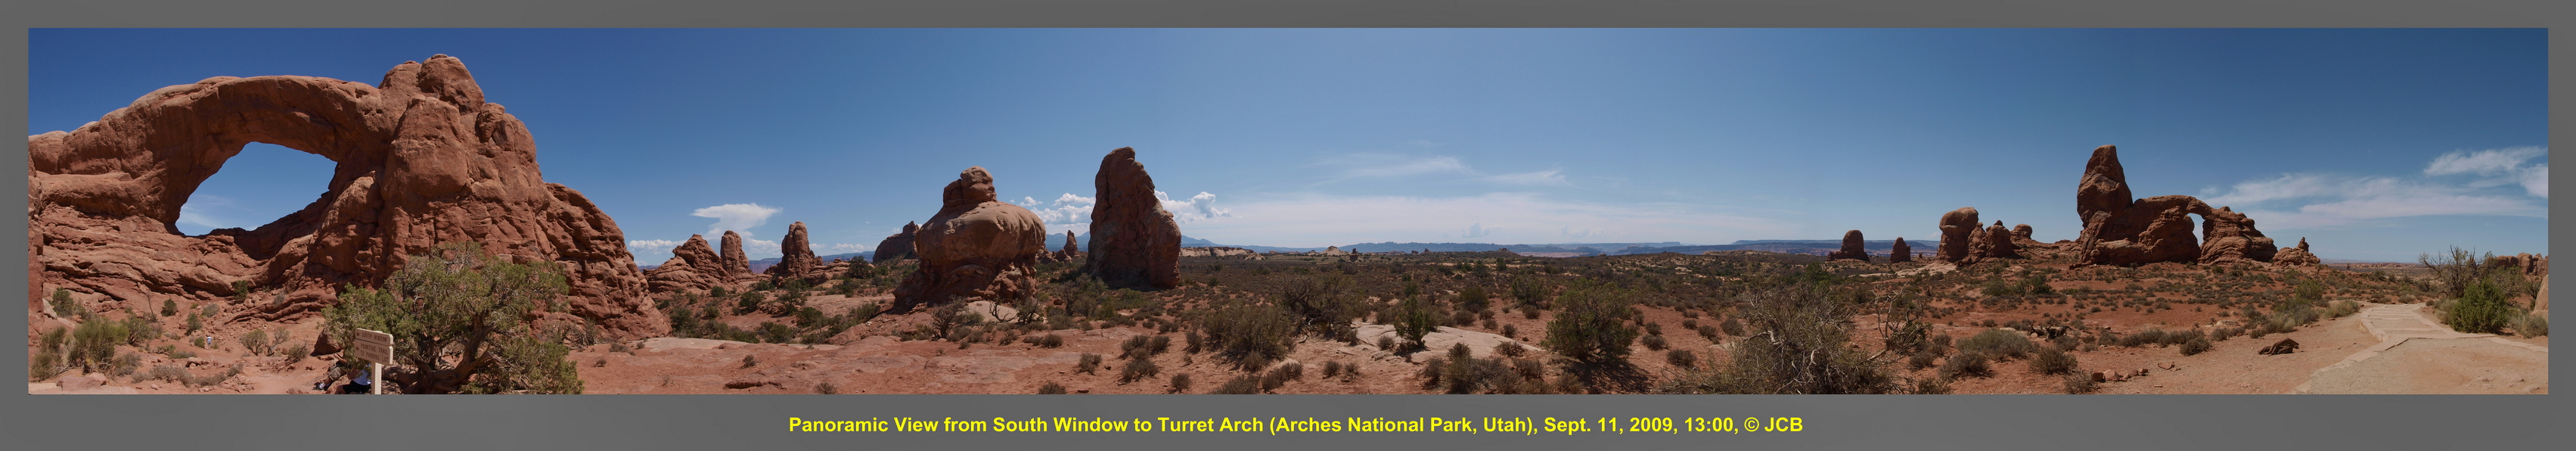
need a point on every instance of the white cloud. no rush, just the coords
(195, 211)
(2484, 162)
(735, 217)
(2536, 181)
(1319, 220)
(759, 249)
(2297, 201)
(1394, 166)
(844, 248)
(1198, 208)
(1476, 230)
(1373, 165)
(1550, 177)
(1069, 212)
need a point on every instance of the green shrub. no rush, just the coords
(1931, 386)
(1921, 360)
(44, 363)
(2077, 384)
(1655, 342)
(2481, 309)
(826, 388)
(1087, 363)
(1998, 343)
(1133, 347)
(1414, 320)
(2196, 346)
(1969, 364)
(1249, 333)
(1473, 298)
(459, 294)
(2050, 360)
(94, 342)
(1159, 345)
(256, 342)
(1590, 330)
(1681, 358)
(2532, 325)
(2342, 308)
(169, 307)
(1802, 347)
(1051, 388)
(1138, 369)
(1181, 383)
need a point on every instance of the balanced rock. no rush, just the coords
(797, 260)
(2297, 255)
(1134, 242)
(1956, 228)
(1852, 248)
(736, 265)
(897, 246)
(976, 247)
(422, 160)
(1900, 252)
(693, 266)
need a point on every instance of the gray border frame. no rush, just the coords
(2163, 422)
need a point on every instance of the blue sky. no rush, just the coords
(2373, 144)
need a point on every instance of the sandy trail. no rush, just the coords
(2417, 356)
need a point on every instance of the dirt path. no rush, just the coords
(2417, 356)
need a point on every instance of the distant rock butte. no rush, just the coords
(1900, 252)
(1134, 242)
(797, 260)
(736, 265)
(1957, 229)
(2119, 231)
(693, 266)
(976, 247)
(1852, 248)
(2296, 255)
(421, 159)
(897, 246)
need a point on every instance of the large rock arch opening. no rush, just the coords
(421, 159)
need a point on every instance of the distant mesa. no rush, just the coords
(422, 159)
(976, 247)
(1852, 248)
(1134, 242)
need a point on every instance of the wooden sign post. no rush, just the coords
(376, 348)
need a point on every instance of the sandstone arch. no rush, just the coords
(420, 158)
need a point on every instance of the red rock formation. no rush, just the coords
(1852, 248)
(2231, 237)
(422, 160)
(2021, 233)
(1900, 252)
(797, 260)
(693, 266)
(1134, 243)
(1992, 243)
(1957, 226)
(736, 265)
(897, 246)
(2154, 229)
(976, 247)
(1069, 249)
(2296, 255)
